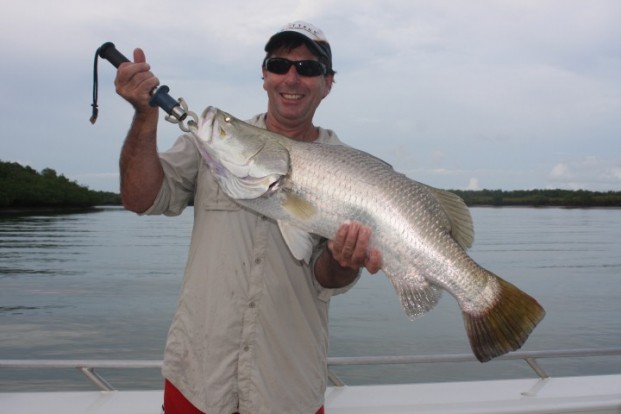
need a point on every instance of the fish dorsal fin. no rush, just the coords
(299, 242)
(458, 213)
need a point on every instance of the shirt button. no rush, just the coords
(257, 260)
(252, 305)
(246, 348)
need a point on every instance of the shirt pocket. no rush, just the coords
(211, 196)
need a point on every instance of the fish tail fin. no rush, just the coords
(505, 326)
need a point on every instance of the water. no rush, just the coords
(104, 286)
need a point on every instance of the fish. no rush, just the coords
(422, 232)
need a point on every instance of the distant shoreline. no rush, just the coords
(540, 198)
(24, 191)
(46, 210)
(32, 211)
(546, 206)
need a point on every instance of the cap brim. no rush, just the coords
(321, 48)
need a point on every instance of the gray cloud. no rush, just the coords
(512, 94)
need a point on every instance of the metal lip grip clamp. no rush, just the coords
(176, 109)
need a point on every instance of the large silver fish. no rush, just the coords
(422, 232)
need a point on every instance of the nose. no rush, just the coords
(292, 75)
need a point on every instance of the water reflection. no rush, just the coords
(105, 286)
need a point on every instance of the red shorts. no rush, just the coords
(176, 403)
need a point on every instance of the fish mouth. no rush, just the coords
(207, 122)
(209, 114)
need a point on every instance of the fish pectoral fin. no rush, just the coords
(417, 296)
(461, 227)
(299, 242)
(298, 207)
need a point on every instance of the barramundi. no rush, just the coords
(422, 232)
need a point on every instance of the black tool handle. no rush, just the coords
(159, 97)
(109, 52)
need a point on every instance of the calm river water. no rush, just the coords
(104, 285)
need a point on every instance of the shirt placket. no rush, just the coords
(247, 363)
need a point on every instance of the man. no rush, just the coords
(250, 331)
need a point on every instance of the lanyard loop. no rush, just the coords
(95, 93)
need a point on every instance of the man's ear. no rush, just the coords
(263, 73)
(329, 79)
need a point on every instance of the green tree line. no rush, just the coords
(23, 187)
(541, 198)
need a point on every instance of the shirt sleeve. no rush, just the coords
(325, 293)
(180, 163)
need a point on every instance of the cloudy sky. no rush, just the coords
(504, 94)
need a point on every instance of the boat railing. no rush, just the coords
(89, 367)
(529, 357)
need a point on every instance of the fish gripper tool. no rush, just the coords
(177, 109)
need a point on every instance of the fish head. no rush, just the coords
(246, 160)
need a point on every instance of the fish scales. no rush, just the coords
(422, 232)
(409, 227)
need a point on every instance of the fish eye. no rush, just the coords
(227, 119)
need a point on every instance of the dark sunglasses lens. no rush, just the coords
(278, 66)
(310, 68)
(303, 67)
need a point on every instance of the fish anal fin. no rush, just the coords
(416, 295)
(505, 326)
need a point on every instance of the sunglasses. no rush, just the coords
(280, 66)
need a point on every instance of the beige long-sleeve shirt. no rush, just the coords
(250, 333)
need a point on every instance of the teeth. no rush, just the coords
(291, 96)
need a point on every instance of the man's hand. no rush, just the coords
(340, 263)
(350, 248)
(135, 81)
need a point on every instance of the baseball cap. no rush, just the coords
(312, 36)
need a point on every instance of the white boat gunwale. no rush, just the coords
(89, 366)
(540, 394)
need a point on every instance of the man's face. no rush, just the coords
(293, 98)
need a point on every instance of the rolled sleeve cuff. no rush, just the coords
(324, 294)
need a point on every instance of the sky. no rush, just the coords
(478, 94)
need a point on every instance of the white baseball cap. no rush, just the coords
(313, 37)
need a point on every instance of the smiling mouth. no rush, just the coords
(292, 96)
